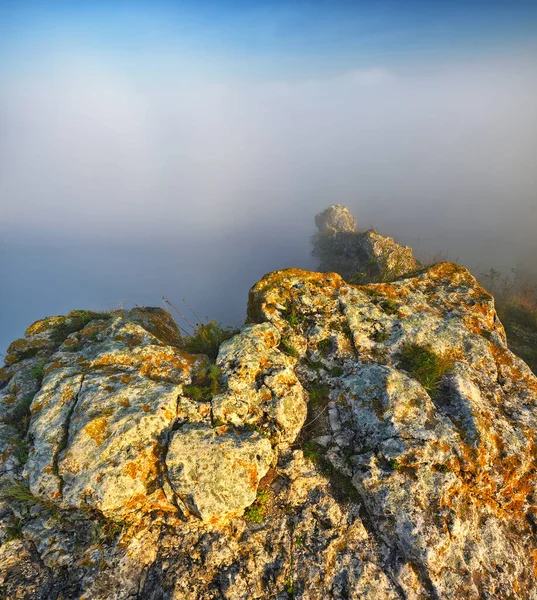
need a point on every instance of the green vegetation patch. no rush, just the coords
(256, 511)
(208, 338)
(19, 418)
(205, 384)
(425, 365)
(288, 348)
(75, 321)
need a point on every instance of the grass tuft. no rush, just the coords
(424, 365)
(208, 338)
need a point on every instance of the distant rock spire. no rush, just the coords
(335, 219)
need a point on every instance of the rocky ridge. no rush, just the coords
(324, 464)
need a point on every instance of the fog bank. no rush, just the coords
(123, 189)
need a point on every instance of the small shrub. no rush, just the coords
(358, 278)
(424, 365)
(208, 338)
(388, 306)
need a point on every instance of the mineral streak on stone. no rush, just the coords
(360, 478)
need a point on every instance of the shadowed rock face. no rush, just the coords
(367, 255)
(363, 475)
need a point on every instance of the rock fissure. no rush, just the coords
(64, 440)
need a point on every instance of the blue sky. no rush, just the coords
(260, 39)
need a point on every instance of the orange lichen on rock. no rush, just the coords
(97, 430)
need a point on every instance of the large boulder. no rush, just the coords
(430, 417)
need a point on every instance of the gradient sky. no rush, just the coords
(183, 148)
(257, 39)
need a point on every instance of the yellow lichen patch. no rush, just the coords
(251, 469)
(131, 469)
(450, 271)
(39, 406)
(523, 381)
(387, 290)
(44, 325)
(504, 484)
(97, 430)
(124, 402)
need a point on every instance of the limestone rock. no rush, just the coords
(366, 441)
(336, 218)
(358, 256)
(438, 471)
(262, 388)
(216, 471)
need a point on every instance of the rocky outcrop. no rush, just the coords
(372, 441)
(335, 219)
(359, 257)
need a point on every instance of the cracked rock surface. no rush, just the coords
(320, 468)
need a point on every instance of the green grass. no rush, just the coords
(20, 493)
(336, 371)
(388, 306)
(205, 384)
(256, 511)
(14, 531)
(325, 346)
(293, 317)
(288, 348)
(20, 416)
(318, 393)
(424, 365)
(38, 370)
(381, 336)
(311, 450)
(21, 452)
(208, 338)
